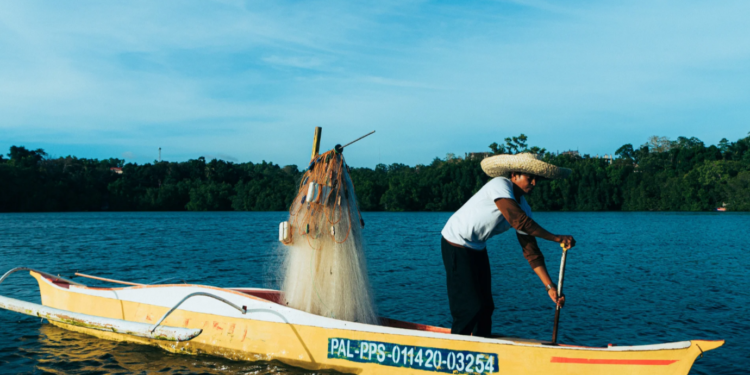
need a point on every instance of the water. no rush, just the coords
(635, 278)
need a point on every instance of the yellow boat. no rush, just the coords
(250, 324)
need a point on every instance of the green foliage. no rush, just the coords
(210, 196)
(370, 186)
(266, 187)
(29, 182)
(514, 145)
(664, 175)
(737, 190)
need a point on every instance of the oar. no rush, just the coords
(559, 292)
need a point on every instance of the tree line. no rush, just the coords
(660, 175)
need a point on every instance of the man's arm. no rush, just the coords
(518, 219)
(536, 260)
(522, 222)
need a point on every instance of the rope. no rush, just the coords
(328, 171)
(327, 208)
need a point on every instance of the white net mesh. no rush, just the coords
(324, 269)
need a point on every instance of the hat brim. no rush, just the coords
(503, 165)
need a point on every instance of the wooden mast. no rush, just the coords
(316, 142)
(315, 152)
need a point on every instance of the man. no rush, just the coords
(498, 206)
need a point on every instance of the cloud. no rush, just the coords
(227, 157)
(294, 61)
(128, 155)
(253, 79)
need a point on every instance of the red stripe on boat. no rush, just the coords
(587, 361)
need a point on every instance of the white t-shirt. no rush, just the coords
(479, 218)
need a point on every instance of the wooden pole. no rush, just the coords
(357, 139)
(107, 280)
(315, 152)
(316, 142)
(559, 293)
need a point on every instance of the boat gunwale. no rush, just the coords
(369, 328)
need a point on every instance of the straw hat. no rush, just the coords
(503, 165)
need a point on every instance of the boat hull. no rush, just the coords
(270, 331)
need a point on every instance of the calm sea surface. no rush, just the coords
(635, 278)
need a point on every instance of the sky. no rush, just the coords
(249, 81)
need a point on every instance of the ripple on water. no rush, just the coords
(635, 278)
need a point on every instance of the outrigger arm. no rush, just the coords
(91, 321)
(99, 323)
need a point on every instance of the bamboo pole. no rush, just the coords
(316, 142)
(315, 152)
(107, 280)
(357, 139)
(559, 293)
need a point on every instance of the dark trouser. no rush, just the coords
(469, 289)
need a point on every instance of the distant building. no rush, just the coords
(116, 170)
(571, 153)
(478, 155)
(606, 157)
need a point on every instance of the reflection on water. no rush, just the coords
(58, 351)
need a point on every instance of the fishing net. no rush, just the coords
(324, 270)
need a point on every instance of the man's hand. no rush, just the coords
(558, 301)
(568, 241)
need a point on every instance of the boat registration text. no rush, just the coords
(416, 357)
